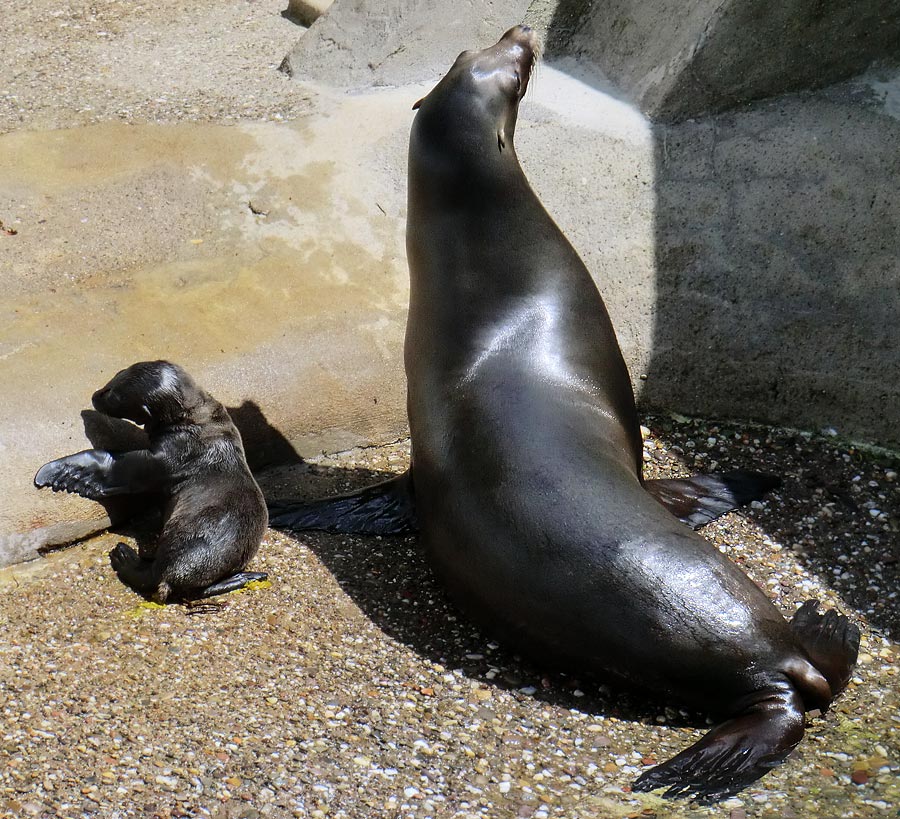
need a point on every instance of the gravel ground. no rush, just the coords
(351, 687)
(85, 61)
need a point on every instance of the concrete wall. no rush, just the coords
(749, 257)
(678, 60)
(777, 232)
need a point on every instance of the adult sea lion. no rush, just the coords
(526, 461)
(214, 515)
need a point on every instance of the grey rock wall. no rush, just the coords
(677, 60)
(778, 263)
(358, 43)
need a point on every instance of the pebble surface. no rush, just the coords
(87, 61)
(351, 687)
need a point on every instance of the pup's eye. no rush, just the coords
(518, 82)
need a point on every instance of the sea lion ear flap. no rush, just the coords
(501, 139)
(417, 103)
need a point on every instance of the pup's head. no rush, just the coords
(149, 393)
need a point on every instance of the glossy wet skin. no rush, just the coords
(149, 392)
(214, 515)
(526, 483)
(526, 452)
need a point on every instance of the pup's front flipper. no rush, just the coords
(97, 474)
(734, 754)
(702, 498)
(384, 509)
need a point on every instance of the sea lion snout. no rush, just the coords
(524, 46)
(98, 399)
(525, 37)
(521, 32)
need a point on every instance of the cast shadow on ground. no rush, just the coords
(139, 515)
(390, 580)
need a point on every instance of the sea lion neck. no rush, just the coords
(466, 124)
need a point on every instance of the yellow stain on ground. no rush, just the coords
(142, 608)
(257, 585)
(76, 157)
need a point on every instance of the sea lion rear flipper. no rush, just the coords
(230, 584)
(140, 575)
(702, 498)
(383, 509)
(734, 754)
(830, 640)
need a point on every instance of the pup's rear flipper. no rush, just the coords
(734, 754)
(384, 509)
(230, 584)
(830, 640)
(702, 498)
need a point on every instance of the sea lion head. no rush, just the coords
(483, 88)
(149, 393)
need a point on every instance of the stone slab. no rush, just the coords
(359, 44)
(267, 259)
(679, 60)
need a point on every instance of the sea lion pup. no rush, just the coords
(214, 515)
(526, 461)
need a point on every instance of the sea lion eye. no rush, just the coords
(518, 82)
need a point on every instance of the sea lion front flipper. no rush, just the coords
(702, 498)
(734, 754)
(230, 584)
(97, 474)
(830, 640)
(386, 508)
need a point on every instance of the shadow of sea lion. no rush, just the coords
(138, 516)
(390, 580)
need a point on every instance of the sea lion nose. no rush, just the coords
(99, 396)
(516, 31)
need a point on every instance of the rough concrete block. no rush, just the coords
(360, 44)
(678, 60)
(778, 263)
(306, 12)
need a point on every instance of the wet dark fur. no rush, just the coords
(214, 513)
